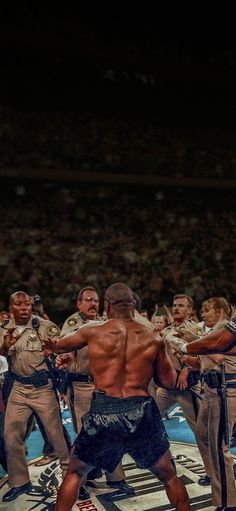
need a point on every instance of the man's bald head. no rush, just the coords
(119, 295)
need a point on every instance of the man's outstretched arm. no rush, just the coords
(70, 342)
(221, 341)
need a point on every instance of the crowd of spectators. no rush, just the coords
(56, 239)
(83, 143)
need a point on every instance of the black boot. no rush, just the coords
(15, 492)
(83, 494)
(122, 487)
(204, 480)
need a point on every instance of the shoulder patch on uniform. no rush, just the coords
(72, 321)
(53, 330)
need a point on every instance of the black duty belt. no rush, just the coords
(214, 379)
(37, 379)
(85, 378)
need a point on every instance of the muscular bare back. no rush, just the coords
(123, 356)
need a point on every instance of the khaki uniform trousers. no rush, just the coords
(188, 402)
(23, 400)
(215, 454)
(78, 398)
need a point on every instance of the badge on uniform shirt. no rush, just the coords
(199, 332)
(72, 322)
(53, 330)
(32, 336)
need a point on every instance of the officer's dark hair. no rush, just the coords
(13, 295)
(81, 292)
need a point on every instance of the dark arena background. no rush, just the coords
(117, 163)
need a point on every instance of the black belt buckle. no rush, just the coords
(90, 378)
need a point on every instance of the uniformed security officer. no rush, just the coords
(80, 379)
(21, 341)
(217, 412)
(181, 310)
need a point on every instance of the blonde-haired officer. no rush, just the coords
(217, 413)
(22, 342)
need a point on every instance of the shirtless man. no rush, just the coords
(123, 418)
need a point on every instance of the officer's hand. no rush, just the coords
(178, 355)
(182, 383)
(49, 347)
(64, 360)
(9, 339)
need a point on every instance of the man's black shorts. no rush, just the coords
(115, 426)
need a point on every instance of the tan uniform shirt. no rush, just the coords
(24, 356)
